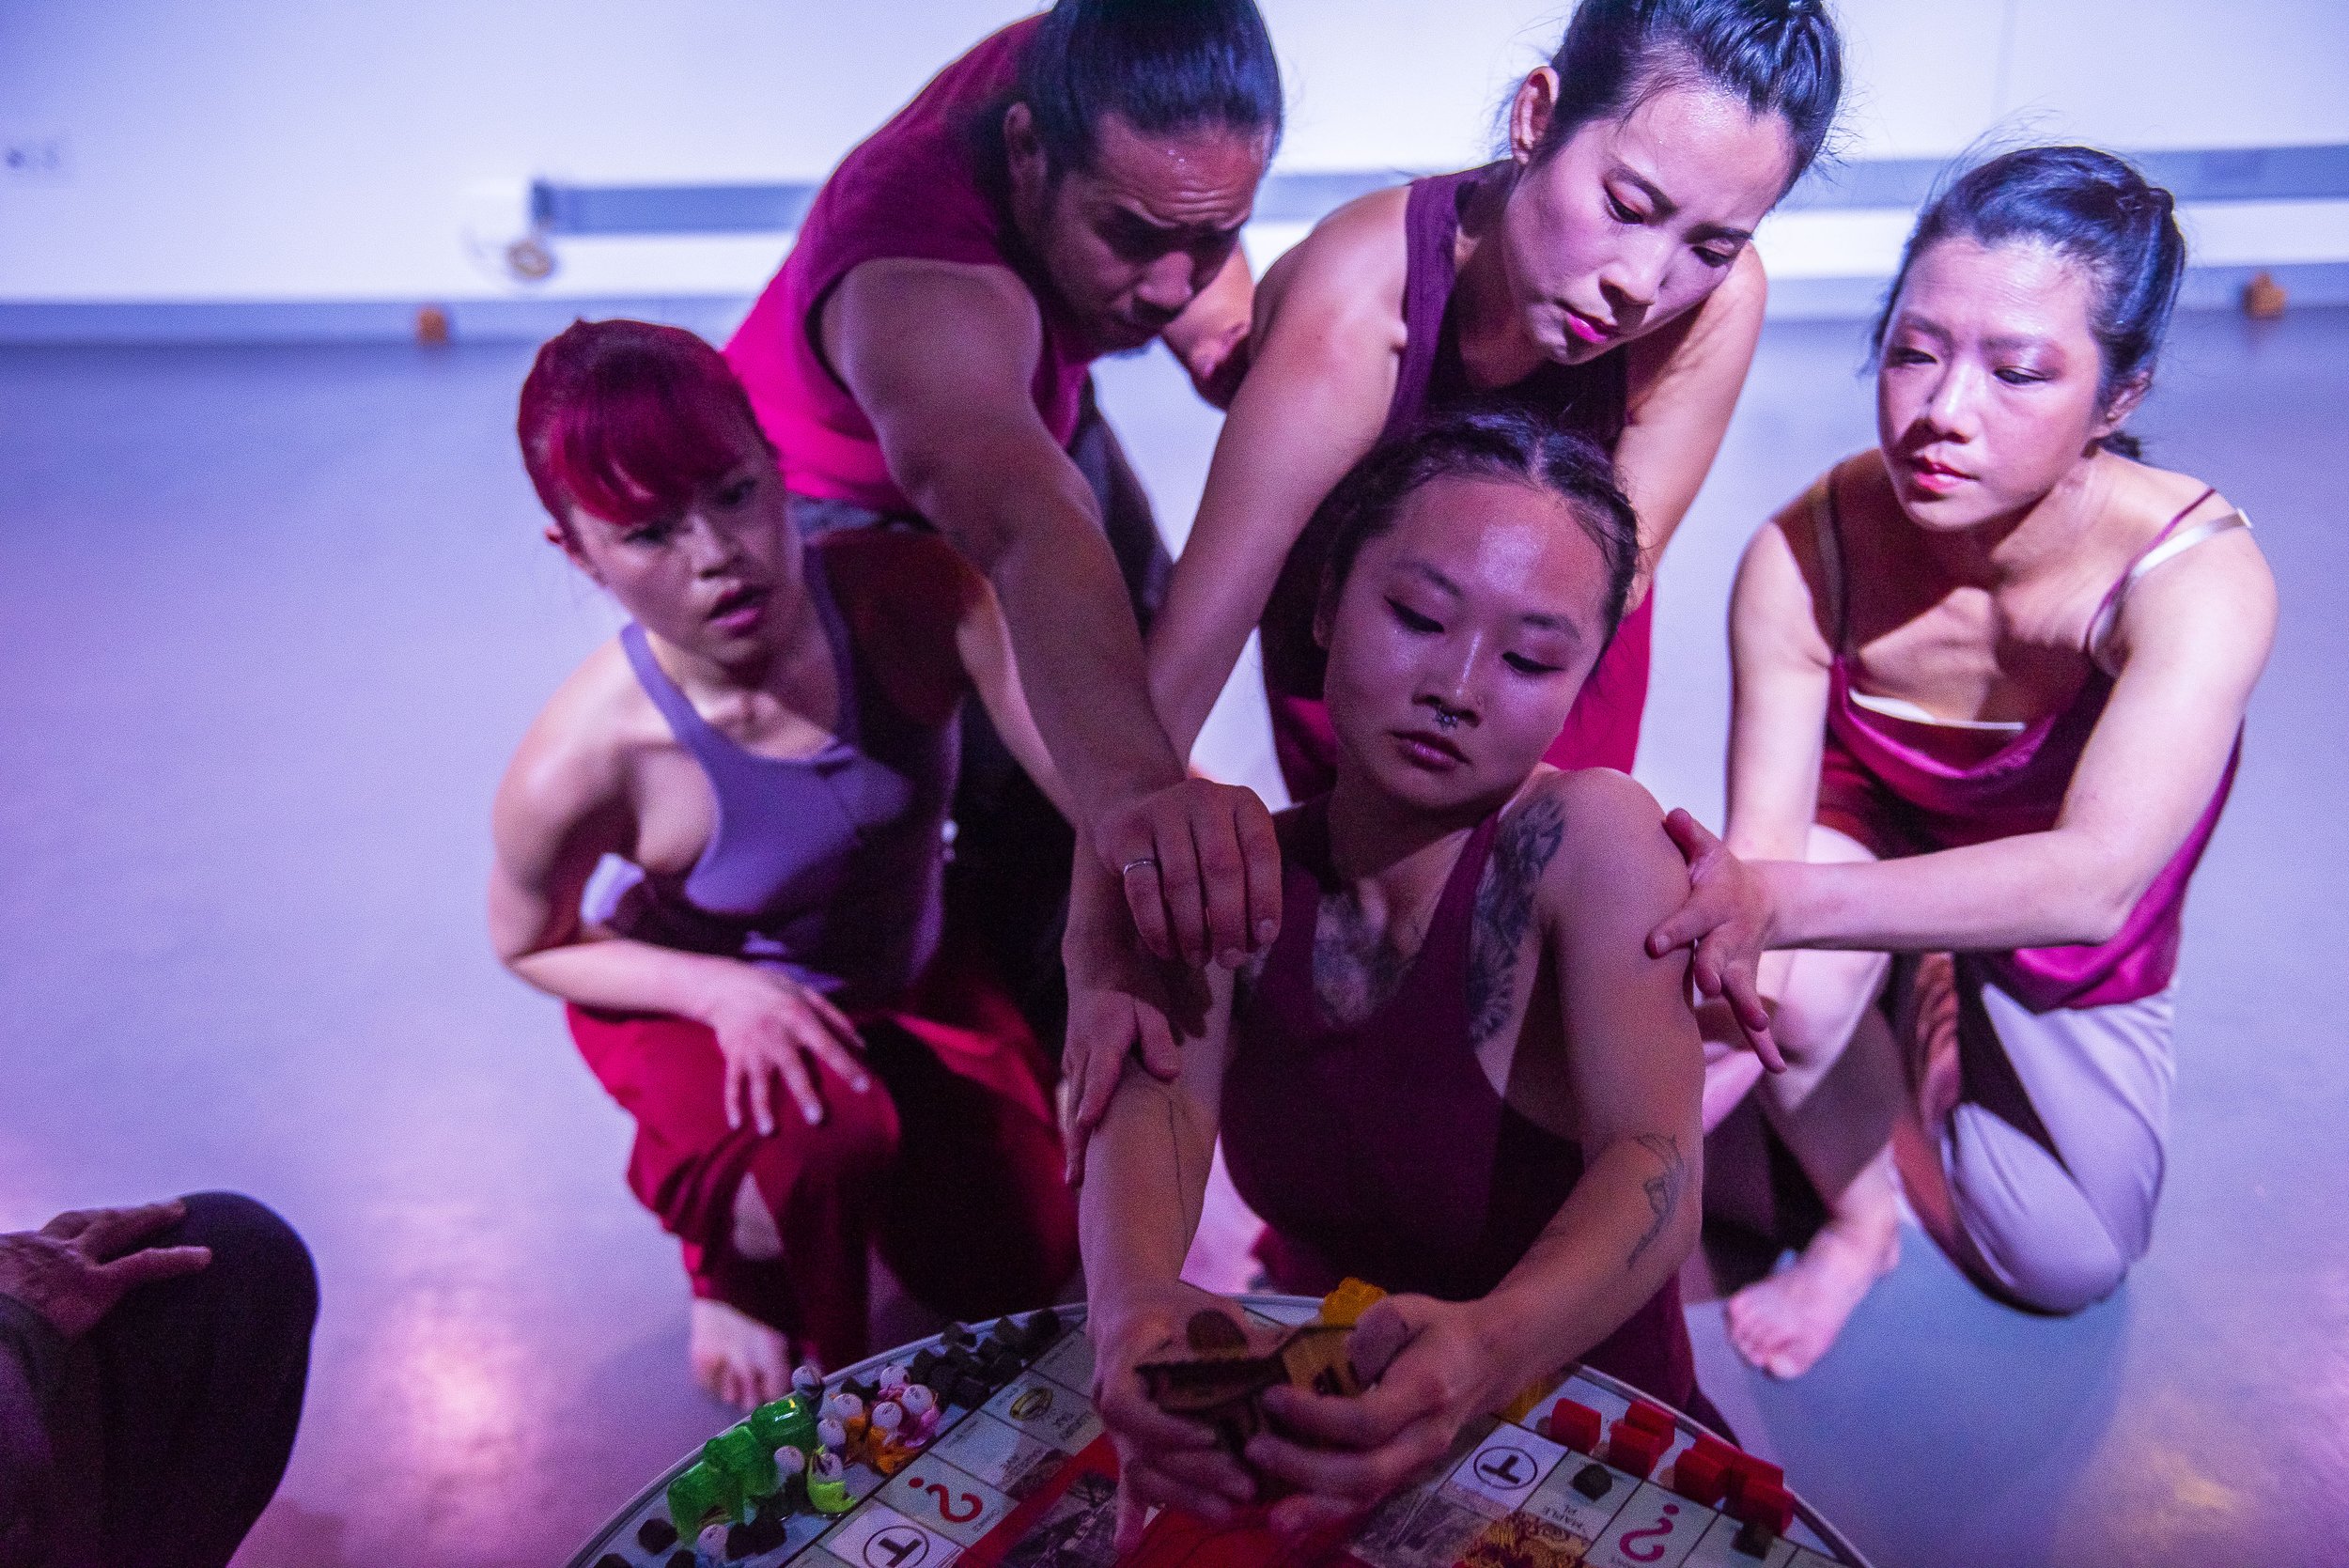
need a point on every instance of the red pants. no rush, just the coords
(945, 1161)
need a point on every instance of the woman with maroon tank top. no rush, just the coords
(1599, 275)
(1990, 682)
(1456, 1073)
(721, 844)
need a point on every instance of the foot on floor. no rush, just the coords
(1782, 1325)
(734, 1356)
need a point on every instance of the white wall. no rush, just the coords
(259, 150)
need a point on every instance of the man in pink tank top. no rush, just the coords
(1074, 186)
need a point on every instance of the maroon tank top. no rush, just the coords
(920, 188)
(1381, 1150)
(1603, 728)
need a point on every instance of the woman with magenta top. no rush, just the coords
(1991, 680)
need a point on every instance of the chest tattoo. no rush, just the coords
(1357, 967)
(1505, 914)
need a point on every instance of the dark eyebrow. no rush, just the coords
(1423, 569)
(1143, 224)
(2018, 340)
(1540, 619)
(1666, 207)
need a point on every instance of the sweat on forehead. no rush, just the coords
(627, 420)
(1502, 444)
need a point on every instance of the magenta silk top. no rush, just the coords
(915, 188)
(1906, 786)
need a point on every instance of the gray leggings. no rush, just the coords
(2054, 1153)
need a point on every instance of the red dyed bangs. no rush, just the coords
(628, 420)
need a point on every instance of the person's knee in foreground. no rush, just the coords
(152, 1362)
(1990, 685)
(722, 843)
(1458, 1073)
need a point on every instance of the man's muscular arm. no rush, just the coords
(940, 356)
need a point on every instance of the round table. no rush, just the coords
(1019, 1475)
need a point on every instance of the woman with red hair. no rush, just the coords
(721, 843)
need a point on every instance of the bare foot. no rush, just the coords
(1785, 1322)
(736, 1357)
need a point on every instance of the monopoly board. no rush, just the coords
(1019, 1474)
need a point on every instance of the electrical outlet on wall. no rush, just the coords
(45, 158)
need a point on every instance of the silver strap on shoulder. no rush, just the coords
(2161, 554)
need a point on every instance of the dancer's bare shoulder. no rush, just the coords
(1346, 275)
(581, 755)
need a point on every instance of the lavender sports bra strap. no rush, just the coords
(689, 727)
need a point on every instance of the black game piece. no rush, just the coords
(969, 1390)
(955, 1336)
(867, 1391)
(656, 1535)
(1041, 1329)
(683, 1557)
(741, 1541)
(1754, 1539)
(1593, 1481)
(610, 1559)
(924, 1362)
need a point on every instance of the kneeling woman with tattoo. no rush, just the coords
(1458, 1073)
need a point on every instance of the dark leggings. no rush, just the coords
(176, 1413)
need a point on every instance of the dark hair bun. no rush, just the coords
(1162, 66)
(1781, 57)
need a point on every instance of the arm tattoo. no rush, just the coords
(1504, 908)
(1663, 1188)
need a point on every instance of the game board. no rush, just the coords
(1020, 1475)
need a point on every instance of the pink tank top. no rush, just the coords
(918, 188)
(1908, 786)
